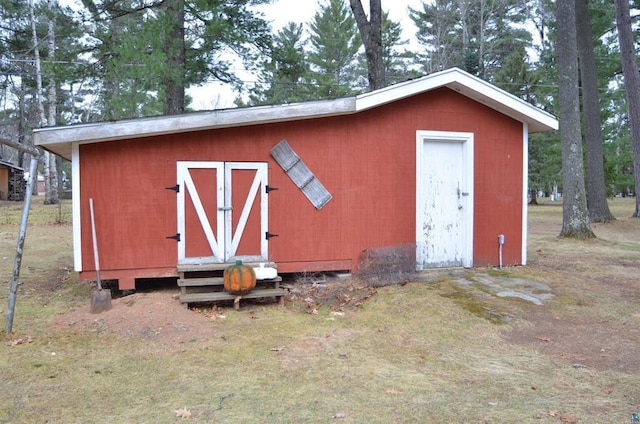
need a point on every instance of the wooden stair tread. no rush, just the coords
(214, 281)
(200, 281)
(215, 296)
(220, 266)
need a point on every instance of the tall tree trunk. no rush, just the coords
(632, 85)
(36, 53)
(42, 119)
(51, 194)
(371, 33)
(575, 217)
(174, 80)
(533, 197)
(23, 158)
(596, 188)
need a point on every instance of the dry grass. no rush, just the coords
(406, 355)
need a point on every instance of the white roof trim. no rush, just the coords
(470, 86)
(59, 139)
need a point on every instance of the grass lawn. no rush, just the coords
(407, 353)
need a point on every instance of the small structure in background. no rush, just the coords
(12, 182)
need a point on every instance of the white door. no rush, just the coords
(444, 199)
(222, 212)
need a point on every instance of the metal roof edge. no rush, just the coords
(10, 165)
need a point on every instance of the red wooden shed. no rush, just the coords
(437, 163)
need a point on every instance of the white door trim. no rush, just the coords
(467, 140)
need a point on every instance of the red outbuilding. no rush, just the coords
(438, 164)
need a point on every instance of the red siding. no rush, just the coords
(366, 161)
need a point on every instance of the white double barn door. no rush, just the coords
(222, 211)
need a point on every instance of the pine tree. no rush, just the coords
(285, 75)
(128, 59)
(335, 42)
(477, 37)
(397, 63)
(149, 53)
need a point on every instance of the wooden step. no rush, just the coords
(221, 295)
(200, 281)
(213, 281)
(220, 266)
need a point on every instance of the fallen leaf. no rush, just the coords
(182, 412)
(22, 340)
(568, 419)
(544, 339)
(552, 413)
(276, 349)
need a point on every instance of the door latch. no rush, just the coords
(462, 193)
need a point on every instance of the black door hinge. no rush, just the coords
(175, 188)
(270, 189)
(176, 237)
(268, 235)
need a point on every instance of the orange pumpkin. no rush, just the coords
(239, 279)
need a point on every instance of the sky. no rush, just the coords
(280, 12)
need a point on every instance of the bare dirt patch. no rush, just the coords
(592, 325)
(154, 315)
(581, 342)
(157, 314)
(593, 322)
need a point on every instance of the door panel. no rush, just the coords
(444, 200)
(246, 225)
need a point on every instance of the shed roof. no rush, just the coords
(10, 165)
(59, 139)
